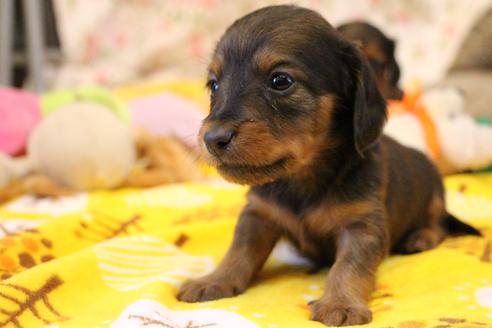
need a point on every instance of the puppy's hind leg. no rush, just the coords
(431, 233)
(423, 239)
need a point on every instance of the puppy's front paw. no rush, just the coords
(339, 314)
(208, 289)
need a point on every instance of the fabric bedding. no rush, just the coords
(116, 259)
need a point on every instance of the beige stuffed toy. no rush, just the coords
(84, 146)
(81, 146)
(437, 124)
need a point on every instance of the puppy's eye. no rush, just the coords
(213, 85)
(281, 81)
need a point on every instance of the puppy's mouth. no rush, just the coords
(252, 174)
(238, 168)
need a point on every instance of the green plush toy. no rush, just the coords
(485, 120)
(58, 99)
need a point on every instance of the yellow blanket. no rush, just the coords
(116, 259)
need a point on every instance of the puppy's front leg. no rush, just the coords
(254, 240)
(360, 248)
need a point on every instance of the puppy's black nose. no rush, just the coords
(217, 139)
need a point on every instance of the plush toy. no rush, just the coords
(19, 114)
(435, 122)
(162, 159)
(83, 146)
(86, 144)
(56, 100)
(165, 114)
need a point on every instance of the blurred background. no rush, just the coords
(145, 62)
(111, 42)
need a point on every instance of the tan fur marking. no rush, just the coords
(436, 210)
(330, 216)
(351, 279)
(272, 212)
(327, 104)
(348, 285)
(257, 145)
(216, 65)
(253, 242)
(285, 219)
(372, 50)
(431, 235)
(304, 147)
(168, 160)
(267, 59)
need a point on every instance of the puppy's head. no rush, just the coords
(380, 52)
(286, 89)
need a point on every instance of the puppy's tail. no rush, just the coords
(456, 227)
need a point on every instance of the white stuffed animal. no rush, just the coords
(83, 146)
(451, 136)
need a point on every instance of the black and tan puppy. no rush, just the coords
(296, 114)
(380, 52)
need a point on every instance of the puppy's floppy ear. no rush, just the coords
(391, 46)
(369, 105)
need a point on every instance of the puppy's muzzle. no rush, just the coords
(218, 139)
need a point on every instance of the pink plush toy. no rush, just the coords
(165, 114)
(19, 113)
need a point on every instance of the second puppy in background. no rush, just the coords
(380, 52)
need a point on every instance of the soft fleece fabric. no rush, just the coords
(116, 259)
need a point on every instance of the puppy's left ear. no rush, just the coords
(369, 105)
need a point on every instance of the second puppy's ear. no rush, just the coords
(369, 106)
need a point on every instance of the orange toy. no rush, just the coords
(412, 104)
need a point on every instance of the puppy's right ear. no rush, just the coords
(369, 106)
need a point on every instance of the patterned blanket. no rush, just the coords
(116, 259)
